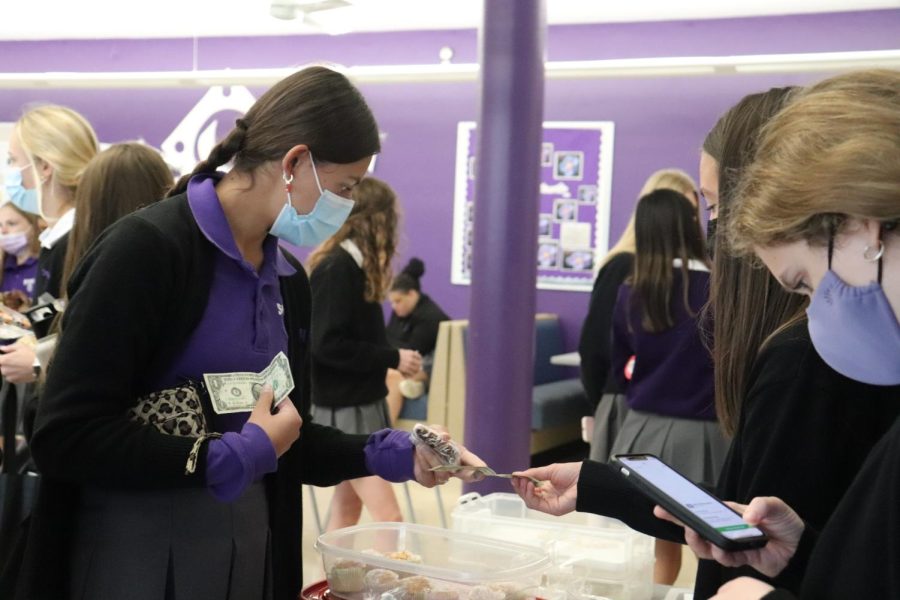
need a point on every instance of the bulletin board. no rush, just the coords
(575, 189)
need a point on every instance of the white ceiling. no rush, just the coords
(69, 19)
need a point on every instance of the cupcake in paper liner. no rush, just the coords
(378, 581)
(347, 577)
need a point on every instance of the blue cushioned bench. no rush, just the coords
(558, 401)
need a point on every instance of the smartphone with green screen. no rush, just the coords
(690, 503)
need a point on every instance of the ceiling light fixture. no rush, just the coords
(289, 10)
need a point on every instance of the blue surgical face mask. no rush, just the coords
(854, 329)
(26, 200)
(321, 223)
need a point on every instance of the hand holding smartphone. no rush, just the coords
(692, 505)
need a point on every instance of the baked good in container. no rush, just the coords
(483, 592)
(404, 555)
(347, 577)
(379, 581)
(415, 587)
(510, 590)
(442, 595)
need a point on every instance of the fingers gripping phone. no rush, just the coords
(691, 504)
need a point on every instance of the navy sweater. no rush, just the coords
(673, 370)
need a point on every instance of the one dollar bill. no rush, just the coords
(238, 392)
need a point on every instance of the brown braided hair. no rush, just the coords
(316, 106)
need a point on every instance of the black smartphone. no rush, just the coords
(691, 504)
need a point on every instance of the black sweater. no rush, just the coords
(135, 299)
(350, 352)
(857, 555)
(803, 433)
(596, 332)
(419, 330)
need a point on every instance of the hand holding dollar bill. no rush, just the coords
(239, 392)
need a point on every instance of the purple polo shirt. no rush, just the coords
(19, 277)
(242, 329)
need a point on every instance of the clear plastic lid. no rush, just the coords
(444, 554)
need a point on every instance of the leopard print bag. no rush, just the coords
(176, 411)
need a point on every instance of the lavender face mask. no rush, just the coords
(854, 329)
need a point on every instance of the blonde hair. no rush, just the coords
(372, 226)
(833, 152)
(671, 179)
(60, 137)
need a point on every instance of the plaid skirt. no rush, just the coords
(695, 448)
(362, 419)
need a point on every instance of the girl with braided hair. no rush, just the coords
(191, 286)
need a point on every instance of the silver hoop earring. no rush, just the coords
(877, 255)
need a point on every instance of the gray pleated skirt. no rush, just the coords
(694, 448)
(608, 419)
(171, 545)
(362, 419)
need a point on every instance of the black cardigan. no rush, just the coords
(803, 433)
(595, 343)
(857, 555)
(350, 352)
(419, 330)
(135, 299)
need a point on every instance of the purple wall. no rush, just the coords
(660, 122)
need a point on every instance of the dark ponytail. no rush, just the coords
(315, 106)
(409, 278)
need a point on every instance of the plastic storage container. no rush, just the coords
(592, 557)
(403, 561)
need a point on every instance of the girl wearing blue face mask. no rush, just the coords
(49, 148)
(820, 206)
(48, 151)
(208, 507)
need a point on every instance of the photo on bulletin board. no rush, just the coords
(545, 225)
(568, 165)
(587, 194)
(578, 260)
(546, 155)
(548, 255)
(565, 210)
(573, 207)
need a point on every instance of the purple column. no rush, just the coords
(500, 345)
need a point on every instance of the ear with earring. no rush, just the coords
(288, 184)
(867, 252)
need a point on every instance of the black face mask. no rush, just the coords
(711, 237)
